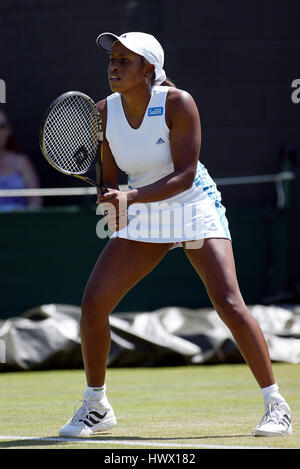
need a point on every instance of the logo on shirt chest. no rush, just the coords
(155, 111)
(160, 141)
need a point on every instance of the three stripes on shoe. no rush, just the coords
(92, 418)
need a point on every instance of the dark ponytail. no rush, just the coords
(168, 82)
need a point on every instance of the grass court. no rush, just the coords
(196, 407)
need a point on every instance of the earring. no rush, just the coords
(146, 80)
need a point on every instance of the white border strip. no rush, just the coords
(65, 191)
(52, 191)
(130, 443)
(261, 178)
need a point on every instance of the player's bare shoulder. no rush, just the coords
(178, 98)
(102, 108)
(180, 104)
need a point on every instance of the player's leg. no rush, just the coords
(120, 266)
(215, 264)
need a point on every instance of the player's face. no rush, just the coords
(126, 69)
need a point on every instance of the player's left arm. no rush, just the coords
(183, 120)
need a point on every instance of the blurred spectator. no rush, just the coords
(16, 169)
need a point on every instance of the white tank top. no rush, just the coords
(143, 153)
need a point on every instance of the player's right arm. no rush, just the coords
(109, 166)
(116, 217)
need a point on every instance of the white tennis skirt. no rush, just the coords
(192, 215)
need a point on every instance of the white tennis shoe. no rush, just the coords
(275, 422)
(91, 417)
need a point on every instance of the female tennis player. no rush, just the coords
(153, 133)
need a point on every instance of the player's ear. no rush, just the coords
(149, 72)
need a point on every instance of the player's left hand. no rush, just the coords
(113, 205)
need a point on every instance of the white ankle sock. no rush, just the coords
(94, 393)
(271, 394)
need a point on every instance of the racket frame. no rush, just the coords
(98, 159)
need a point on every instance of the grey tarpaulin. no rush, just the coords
(48, 337)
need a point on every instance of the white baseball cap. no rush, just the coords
(141, 43)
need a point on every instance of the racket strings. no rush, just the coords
(71, 134)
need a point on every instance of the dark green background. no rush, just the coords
(47, 256)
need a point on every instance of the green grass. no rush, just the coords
(200, 405)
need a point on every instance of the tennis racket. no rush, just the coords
(71, 137)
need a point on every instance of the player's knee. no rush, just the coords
(232, 310)
(92, 310)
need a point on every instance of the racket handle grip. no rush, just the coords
(102, 189)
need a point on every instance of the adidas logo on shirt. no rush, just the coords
(159, 141)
